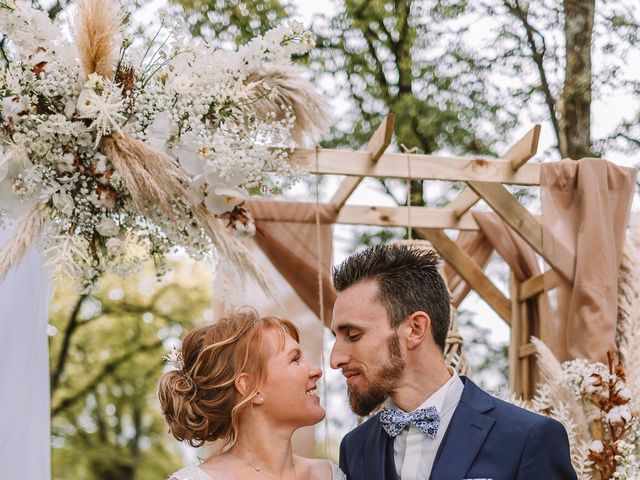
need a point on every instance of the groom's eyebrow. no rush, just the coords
(345, 327)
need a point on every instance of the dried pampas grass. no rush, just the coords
(292, 93)
(568, 406)
(628, 326)
(153, 179)
(97, 27)
(156, 182)
(23, 240)
(232, 249)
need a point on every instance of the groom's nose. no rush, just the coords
(339, 356)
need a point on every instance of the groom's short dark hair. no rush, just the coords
(408, 281)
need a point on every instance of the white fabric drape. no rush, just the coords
(24, 371)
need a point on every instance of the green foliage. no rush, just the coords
(410, 58)
(233, 21)
(106, 360)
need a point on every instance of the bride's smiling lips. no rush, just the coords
(312, 392)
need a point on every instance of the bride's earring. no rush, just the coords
(259, 400)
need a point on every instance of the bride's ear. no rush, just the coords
(242, 384)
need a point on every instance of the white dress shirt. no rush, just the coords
(413, 451)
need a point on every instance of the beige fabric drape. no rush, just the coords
(291, 245)
(523, 263)
(585, 210)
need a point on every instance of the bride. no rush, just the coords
(245, 381)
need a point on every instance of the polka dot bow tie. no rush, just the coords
(426, 419)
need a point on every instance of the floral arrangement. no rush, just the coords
(107, 142)
(599, 404)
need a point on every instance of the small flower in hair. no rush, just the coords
(174, 358)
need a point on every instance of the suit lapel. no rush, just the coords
(467, 432)
(379, 463)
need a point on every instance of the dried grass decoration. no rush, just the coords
(106, 141)
(598, 404)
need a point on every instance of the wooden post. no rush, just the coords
(515, 383)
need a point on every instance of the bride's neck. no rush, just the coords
(265, 446)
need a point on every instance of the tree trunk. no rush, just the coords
(575, 105)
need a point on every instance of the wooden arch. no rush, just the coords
(485, 179)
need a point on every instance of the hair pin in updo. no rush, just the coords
(174, 359)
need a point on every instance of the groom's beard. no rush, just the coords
(372, 392)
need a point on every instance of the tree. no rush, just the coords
(106, 351)
(562, 55)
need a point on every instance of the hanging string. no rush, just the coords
(408, 152)
(321, 295)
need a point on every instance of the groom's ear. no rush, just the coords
(419, 327)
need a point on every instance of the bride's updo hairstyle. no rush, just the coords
(200, 402)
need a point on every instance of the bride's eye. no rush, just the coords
(296, 360)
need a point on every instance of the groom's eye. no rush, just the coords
(354, 337)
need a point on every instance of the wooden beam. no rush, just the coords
(516, 216)
(399, 217)
(376, 146)
(526, 350)
(515, 381)
(536, 285)
(463, 202)
(462, 263)
(423, 167)
(519, 154)
(524, 149)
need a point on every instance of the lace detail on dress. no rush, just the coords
(190, 473)
(337, 474)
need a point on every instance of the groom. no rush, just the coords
(391, 319)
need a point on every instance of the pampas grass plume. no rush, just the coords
(97, 28)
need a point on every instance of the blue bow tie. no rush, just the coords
(426, 419)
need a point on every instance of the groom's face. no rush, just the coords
(367, 349)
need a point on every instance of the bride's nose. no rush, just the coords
(315, 372)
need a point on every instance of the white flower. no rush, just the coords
(39, 57)
(591, 383)
(63, 202)
(619, 413)
(70, 108)
(160, 130)
(625, 393)
(246, 229)
(296, 27)
(221, 199)
(180, 84)
(103, 199)
(4, 166)
(101, 164)
(189, 153)
(95, 82)
(11, 109)
(174, 359)
(104, 109)
(107, 227)
(66, 163)
(596, 446)
(115, 246)
(14, 162)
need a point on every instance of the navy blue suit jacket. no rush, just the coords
(487, 438)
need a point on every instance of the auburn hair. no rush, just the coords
(200, 402)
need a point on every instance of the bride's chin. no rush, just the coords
(318, 415)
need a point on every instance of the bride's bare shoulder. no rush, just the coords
(313, 468)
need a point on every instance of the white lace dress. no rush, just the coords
(196, 473)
